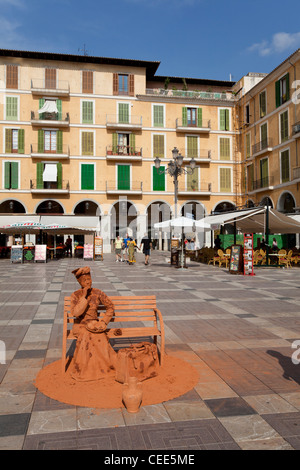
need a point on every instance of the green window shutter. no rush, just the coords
(11, 108)
(8, 140)
(7, 175)
(199, 117)
(132, 143)
(192, 146)
(248, 146)
(264, 136)
(285, 167)
(123, 113)
(115, 143)
(87, 176)
(59, 107)
(222, 120)
(184, 117)
(40, 141)
(262, 104)
(124, 177)
(264, 172)
(193, 180)
(158, 180)
(41, 104)
(39, 175)
(250, 171)
(87, 112)
(287, 80)
(226, 119)
(59, 176)
(87, 143)
(59, 141)
(284, 126)
(225, 179)
(159, 146)
(277, 94)
(224, 148)
(21, 141)
(158, 116)
(14, 175)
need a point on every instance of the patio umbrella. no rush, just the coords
(27, 226)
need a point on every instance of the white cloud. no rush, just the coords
(9, 35)
(280, 42)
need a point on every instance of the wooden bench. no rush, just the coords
(140, 315)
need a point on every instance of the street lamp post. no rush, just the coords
(175, 169)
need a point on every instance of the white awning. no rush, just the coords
(49, 107)
(50, 172)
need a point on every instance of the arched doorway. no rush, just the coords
(12, 206)
(266, 201)
(224, 206)
(49, 207)
(123, 219)
(87, 208)
(158, 211)
(286, 203)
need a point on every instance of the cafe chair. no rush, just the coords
(222, 258)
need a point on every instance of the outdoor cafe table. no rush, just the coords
(277, 257)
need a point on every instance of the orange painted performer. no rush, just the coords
(94, 357)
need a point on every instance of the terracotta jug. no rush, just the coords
(132, 395)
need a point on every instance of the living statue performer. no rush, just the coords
(94, 357)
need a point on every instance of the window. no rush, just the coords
(248, 145)
(50, 78)
(159, 146)
(87, 81)
(192, 117)
(48, 175)
(264, 136)
(123, 113)
(123, 84)
(87, 176)
(262, 104)
(158, 115)
(11, 175)
(158, 179)
(225, 180)
(284, 126)
(264, 172)
(224, 148)
(192, 146)
(123, 144)
(250, 177)
(124, 177)
(192, 180)
(285, 166)
(247, 114)
(11, 108)
(87, 143)
(14, 140)
(50, 109)
(224, 120)
(50, 141)
(282, 90)
(87, 112)
(12, 76)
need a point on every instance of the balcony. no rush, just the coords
(262, 147)
(262, 184)
(49, 187)
(50, 87)
(124, 153)
(127, 187)
(193, 94)
(115, 121)
(195, 189)
(50, 119)
(195, 129)
(203, 156)
(296, 130)
(37, 152)
(296, 173)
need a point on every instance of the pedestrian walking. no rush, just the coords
(118, 248)
(147, 245)
(131, 246)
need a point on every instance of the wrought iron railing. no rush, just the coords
(193, 94)
(205, 124)
(49, 185)
(262, 183)
(124, 185)
(36, 148)
(125, 150)
(262, 145)
(61, 117)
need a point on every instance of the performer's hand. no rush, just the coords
(86, 291)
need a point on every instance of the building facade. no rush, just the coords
(80, 134)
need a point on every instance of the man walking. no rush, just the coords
(147, 245)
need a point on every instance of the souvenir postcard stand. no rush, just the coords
(98, 248)
(40, 253)
(16, 254)
(88, 251)
(174, 251)
(236, 260)
(248, 254)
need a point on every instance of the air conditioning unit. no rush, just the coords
(296, 129)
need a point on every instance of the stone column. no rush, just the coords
(105, 232)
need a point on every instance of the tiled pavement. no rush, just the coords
(237, 331)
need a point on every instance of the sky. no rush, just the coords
(211, 39)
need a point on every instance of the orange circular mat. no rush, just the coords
(176, 377)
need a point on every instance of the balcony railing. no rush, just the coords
(194, 187)
(296, 173)
(35, 149)
(203, 126)
(124, 150)
(50, 186)
(261, 183)
(117, 120)
(263, 145)
(59, 118)
(59, 87)
(194, 94)
(200, 155)
(124, 186)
